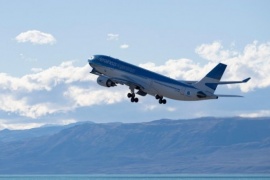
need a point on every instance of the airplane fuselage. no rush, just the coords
(149, 82)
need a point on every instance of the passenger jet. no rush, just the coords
(141, 82)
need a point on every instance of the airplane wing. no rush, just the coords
(126, 82)
(131, 84)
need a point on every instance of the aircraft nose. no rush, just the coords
(90, 60)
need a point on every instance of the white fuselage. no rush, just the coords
(154, 86)
(112, 71)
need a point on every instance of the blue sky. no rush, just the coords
(44, 76)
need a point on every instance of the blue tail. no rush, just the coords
(210, 82)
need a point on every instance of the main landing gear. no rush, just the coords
(132, 97)
(160, 99)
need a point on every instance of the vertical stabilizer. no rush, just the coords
(210, 82)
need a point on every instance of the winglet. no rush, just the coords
(246, 80)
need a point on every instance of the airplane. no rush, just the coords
(112, 71)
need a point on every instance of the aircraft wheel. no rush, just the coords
(160, 101)
(109, 83)
(129, 95)
(157, 96)
(132, 99)
(136, 100)
(164, 101)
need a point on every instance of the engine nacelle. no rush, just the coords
(105, 81)
(201, 94)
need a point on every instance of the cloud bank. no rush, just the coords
(57, 89)
(35, 37)
(66, 87)
(253, 61)
(260, 113)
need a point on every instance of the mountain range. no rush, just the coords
(204, 145)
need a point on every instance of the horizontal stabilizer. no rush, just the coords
(221, 82)
(224, 95)
(231, 82)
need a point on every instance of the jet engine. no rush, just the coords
(105, 81)
(201, 94)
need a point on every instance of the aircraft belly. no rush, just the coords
(151, 87)
(173, 92)
(166, 90)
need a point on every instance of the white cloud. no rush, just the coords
(149, 107)
(24, 107)
(124, 46)
(157, 107)
(214, 52)
(57, 89)
(253, 62)
(64, 88)
(47, 79)
(6, 124)
(115, 37)
(171, 109)
(87, 97)
(35, 37)
(260, 113)
(112, 37)
(65, 122)
(177, 69)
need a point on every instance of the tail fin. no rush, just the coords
(210, 82)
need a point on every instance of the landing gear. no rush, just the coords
(132, 97)
(160, 99)
(129, 95)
